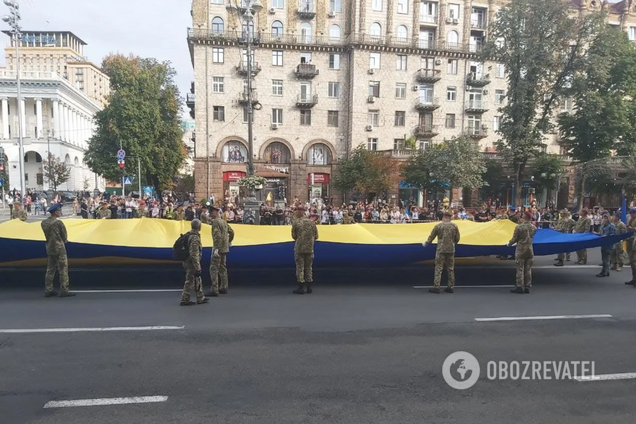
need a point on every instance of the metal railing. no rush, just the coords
(306, 69)
(307, 8)
(477, 132)
(479, 23)
(426, 130)
(428, 19)
(476, 105)
(428, 75)
(242, 67)
(307, 99)
(427, 103)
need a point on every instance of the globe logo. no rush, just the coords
(461, 370)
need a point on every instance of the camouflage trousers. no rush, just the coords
(524, 272)
(304, 272)
(218, 271)
(192, 283)
(55, 264)
(444, 260)
(564, 256)
(617, 256)
(581, 255)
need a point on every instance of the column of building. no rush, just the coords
(55, 126)
(38, 117)
(5, 118)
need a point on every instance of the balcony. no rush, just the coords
(307, 100)
(478, 133)
(428, 75)
(426, 131)
(478, 24)
(242, 68)
(478, 80)
(306, 70)
(398, 153)
(428, 19)
(476, 106)
(427, 104)
(190, 100)
(244, 97)
(306, 10)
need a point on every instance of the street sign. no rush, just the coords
(121, 154)
(127, 181)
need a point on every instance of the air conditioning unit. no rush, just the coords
(371, 99)
(484, 127)
(415, 88)
(272, 10)
(331, 14)
(369, 128)
(485, 92)
(371, 71)
(438, 61)
(449, 20)
(275, 125)
(455, 21)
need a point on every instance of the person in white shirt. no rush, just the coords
(325, 217)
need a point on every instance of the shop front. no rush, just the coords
(230, 183)
(318, 183)
(276, 187)
(410, 194)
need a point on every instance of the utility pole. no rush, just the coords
(139, 174)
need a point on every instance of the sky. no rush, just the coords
(146, 28)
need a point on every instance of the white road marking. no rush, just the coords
(468, 287)
(607, 377)
(105, 402)
(565, 266)
(88, 330)
(130, 291)
(547, 317)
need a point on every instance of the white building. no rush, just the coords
(57, 115)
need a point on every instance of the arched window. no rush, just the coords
(453, 39)
(334, 32)
(277, 152)
(305, 32)
(76, 161)
(67, 159)
(376, 30)
(217, 24)
(319, 154)
(402, 33)
(234, 152)
(277, 28)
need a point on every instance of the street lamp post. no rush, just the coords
(13, 19)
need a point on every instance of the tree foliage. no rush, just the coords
(542, 45)
(55, 171)
(368, 172)
(546, 170)
(143, 117)
(493, 178)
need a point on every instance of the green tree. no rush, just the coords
(370, 173)
(142, 116)
(542, 45)
(493, 178)
(55, 171)
(546, 170)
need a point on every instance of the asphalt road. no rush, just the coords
(366, 347)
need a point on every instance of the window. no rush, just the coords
(398, 143)
(403, 6)
(305, 117)
(277, 116)
(400, 90)
(451, 94)
(453, 11)
(376, 5)
(450, 120)
(496, 123)
(277, 57)
(305, 32)
(372, 144)
(277, 152)
(374, 118)
(400, 118)
(334, 61)
(428, 12)
(374, 60)
(334, 32)
(335, 6)
(217, 85)
(277, 87)
(234, 152)
(632, 33)
(217, 24)
(278, 4)
(402, 33)
(401, 62)
(217, 1)
(334, 90)
(474, 124)
(453, 64)
(376, 30)
(500, 95)
(332, 118)
(217, 54)
(374, 88)
(305, 57)
(277, 28)
(423, 144)
(453, 39)
(426, 93)
(500, 70)
(219, 113)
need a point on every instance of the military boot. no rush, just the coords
(223, 291)
(518, 290)
(434, 290)
(526, 290)
(300, 289)
(67, 294)
(630, 283)
(449, 290)
(188, 303)
(613, 268)
(309, 289)
(50, 294)
(560, 263)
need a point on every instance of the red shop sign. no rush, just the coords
(233, 176)
(319, 178)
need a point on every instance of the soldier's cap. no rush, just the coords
(528, 214)
(54, 207)
(512, 208)
(632, 210)
(448, 213)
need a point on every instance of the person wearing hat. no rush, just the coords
(631, 246)
(447, 235)
(57, 261)
(583, 225)
(205, 215)
(141, 211)
(564, 225)
(607, 229)
(524, 253)
(18, 212)
(616, 260)
(305, 233)
(104, 211)
(179, 215)
(192, 267)
(222, 236)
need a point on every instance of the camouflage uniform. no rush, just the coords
(347, 219)
(524, 254)
(447, 235)
(582, 226)
(56, 237)
(141, 213)
(205, 218)
(631, 245)
(192, 264)
(222, 236)
(103, 213)
(564, 225)
(617, 252)
(179, 215)
(20, 214)
(305, 233)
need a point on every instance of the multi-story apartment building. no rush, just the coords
(332, 74)
(61, 92)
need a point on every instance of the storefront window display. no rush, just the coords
(319, 154)
(234, 152)
(277, 153)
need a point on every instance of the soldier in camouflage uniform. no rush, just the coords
(18, 212)
(631, 246)
(564, 225)
(205, 216)
(305, 233)
(616, 259)
(179, 215)
(524, 253)
(447, 235)
(192, 267)
(582, 226)
(56, 238)
(103, 212)
(347, 218)
(141, 212)
(222, 236)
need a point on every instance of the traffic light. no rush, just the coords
(121, 166)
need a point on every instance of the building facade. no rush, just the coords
(330, 75)
(57, 113)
